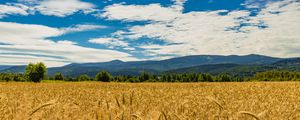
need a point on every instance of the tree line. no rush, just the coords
(38, 72)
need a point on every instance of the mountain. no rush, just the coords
(136, 67)
(232, 69)
(3, 67)
(217, 59)
(118, 67)
(290, 64)
(14, 69)
(289, 61)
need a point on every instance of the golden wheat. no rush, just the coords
(150, 101)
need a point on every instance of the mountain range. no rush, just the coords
(246, 65)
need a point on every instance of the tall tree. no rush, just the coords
(144, 77)
(58, 76)
(103, 76)
(36, 72)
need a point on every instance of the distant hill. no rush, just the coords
(14, 69)
(212, 63)
(232, 69)
(289, 61)
(3, 67)
(290, 64)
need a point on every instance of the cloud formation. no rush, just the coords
(274, 31)
(111, 42)
(149, 31)
(13, 9)
(62, 8)
(153, 12)
(58, 8)
(25, 40)
(83, 27)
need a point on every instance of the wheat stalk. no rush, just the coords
(42, 106)
(249, 114)
(136, 116)
(164, 115)
(123, 99)
(216, 102)
(131, 97)
(118, 103)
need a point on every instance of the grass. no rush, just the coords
(150, 101)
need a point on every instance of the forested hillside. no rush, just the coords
(213, 64)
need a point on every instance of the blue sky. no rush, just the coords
(59, 32)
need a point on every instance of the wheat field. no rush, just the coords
(150, 101)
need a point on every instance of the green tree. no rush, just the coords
(19, 77)
(144, 77)
(223, 78)
(83, 78)
(58, 76)
(119, 79)
(103, 76)
(8, 77)
(36, 72)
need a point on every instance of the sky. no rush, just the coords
(60, 32)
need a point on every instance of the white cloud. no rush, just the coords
(153, 12)
(129, 48)
(282, 36)
(208, 32)
(58, 8)
(112, 42)
(257, 3)
(62, 8)
(30, 40)
(15, 33)
(178, 4)
(198, 32)
(25, 59)
(84, 27)
(67, 42)
(101, 40)
(68, 52)
(13, 9)
(151, 47)
(172, 50)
